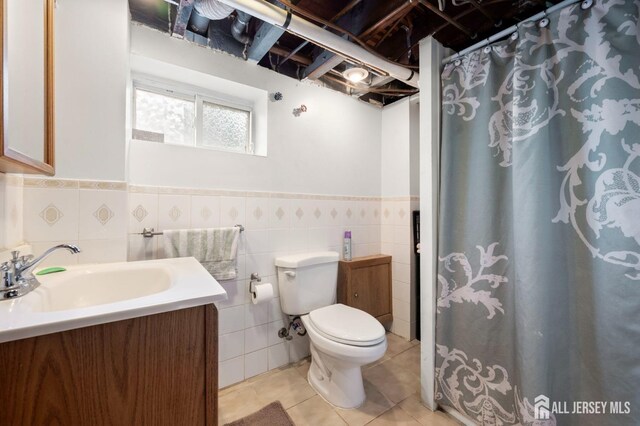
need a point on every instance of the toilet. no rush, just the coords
(343, 339)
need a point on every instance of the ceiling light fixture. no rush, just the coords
(355, 74)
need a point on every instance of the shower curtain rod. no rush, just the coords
(514, 28)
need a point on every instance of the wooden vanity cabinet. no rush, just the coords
(365, 283)
(155, 370)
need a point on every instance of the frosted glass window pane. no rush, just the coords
(173, 117)
(225, 127)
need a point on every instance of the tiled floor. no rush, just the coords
(392, 386)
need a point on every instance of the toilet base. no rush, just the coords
(339, 382)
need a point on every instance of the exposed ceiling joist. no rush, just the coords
(344, 11)
(322, 65)
(179, 27)
(328, 61)
(266, 37)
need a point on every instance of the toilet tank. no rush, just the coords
(307, 281)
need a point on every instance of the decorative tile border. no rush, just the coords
(50, 183)
(167, 190)
(30, 182)
(104, 185)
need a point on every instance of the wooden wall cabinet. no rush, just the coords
(365, 283)
(155, 370)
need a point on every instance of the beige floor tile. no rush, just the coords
(395, 381)
(395, 417)
(315, 412)
(415, 342)
(375, 405)
(410, 359)
(302, 367)
(413, 406)
(396, 345)
(237, 404)
(286, 386)
(232, 388)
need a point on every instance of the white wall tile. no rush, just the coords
(231, 345)
(142, 211)
(103, 251)
(102, 214)
(230, 371)
(256, 241)
(278, 355)
(50, 214)
(141, 248)
(232, 211)
(231, 319)
(278, 240)
(256, 314)
(299, 348)
(274, 327)
(402, 272)
(262, 263)
(205, 211)
(257, 213)
(255, 363)
(401, 309)
(279, 213)
(174, 211)
(401, 328)
(256, 338)
(237, 293)
(401, 291)
(386, 213)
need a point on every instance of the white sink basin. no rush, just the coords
(86, 295)
(95, 285)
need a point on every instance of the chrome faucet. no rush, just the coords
(17, 276)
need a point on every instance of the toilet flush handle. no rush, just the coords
(290, 274)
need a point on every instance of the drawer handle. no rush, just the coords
(355, 295)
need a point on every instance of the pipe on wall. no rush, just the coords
(302, 28)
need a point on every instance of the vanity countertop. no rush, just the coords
(92, 294)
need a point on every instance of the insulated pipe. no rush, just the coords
(334, 43)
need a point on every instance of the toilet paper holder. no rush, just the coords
(255, 277)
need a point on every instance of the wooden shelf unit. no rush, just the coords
(365, 283)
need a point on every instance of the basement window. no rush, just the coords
(189, 118)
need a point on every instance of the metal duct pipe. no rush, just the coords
(212, 9)
(321, 37)
(239, 27)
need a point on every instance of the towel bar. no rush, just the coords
(150, 232)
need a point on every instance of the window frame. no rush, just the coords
(198, 96)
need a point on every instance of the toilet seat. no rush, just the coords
(347, 325)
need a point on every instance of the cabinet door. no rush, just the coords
(370, 289)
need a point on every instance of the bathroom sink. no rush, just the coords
(86, 295)
(94, 285)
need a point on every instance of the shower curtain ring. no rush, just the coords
(586, 4)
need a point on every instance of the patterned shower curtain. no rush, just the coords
(538, 310)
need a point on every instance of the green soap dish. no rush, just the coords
(51, 270)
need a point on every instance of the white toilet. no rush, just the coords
(343, 339)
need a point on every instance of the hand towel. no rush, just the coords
(216, 249)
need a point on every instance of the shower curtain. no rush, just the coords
(538, 309)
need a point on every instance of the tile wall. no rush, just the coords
(275, 225)
(105, 219)
(396, 236)
(91, 215)
(11, 203)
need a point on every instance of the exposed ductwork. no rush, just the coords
(239, 27)
(216, 10)
(212, 9)
(334, 43)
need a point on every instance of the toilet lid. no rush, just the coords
(347, 325)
